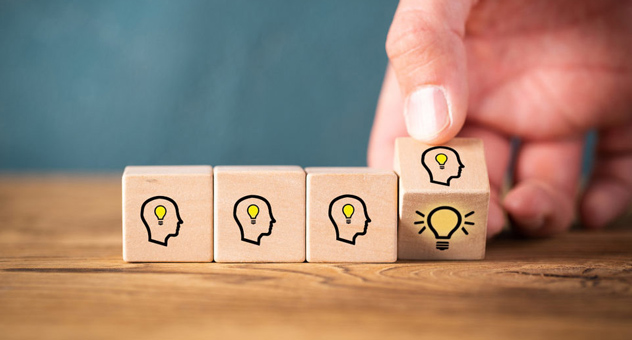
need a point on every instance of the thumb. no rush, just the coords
(425, 47)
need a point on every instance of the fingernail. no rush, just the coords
(427, 113)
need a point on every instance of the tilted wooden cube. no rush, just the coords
(443, 199)
(351, 215)
(259, 214)
(168, 214)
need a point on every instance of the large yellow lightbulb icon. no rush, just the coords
(444, 221)
(348, 211)
(253, 211)
(441, 158)
(160, 213)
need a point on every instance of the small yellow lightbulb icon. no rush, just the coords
(160, 213)
(253, 211)
(441, 158)
(348, 211)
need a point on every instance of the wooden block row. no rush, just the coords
(287, 214)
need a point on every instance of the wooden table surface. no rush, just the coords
(62, 277)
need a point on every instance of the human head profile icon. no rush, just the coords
(161, 217)
(442, 164)
(253, 215)
(350, 218)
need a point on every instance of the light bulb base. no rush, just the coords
(348, 221)
(441, 166)
(253, 221)
(443, 245)
(159, 222)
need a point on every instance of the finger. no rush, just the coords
(552, 104)
(609, 192)
(559, 73)
(425, 47)
(497, 154)
(388, 124)
(547, 177)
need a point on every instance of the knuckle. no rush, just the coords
(405, 36)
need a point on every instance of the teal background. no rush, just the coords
(91, 85)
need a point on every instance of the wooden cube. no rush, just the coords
(351, 215)
(259, 214)
(168, 214)
(443, 199)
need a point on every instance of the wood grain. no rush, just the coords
(62, 277)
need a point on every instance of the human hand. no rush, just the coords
(544, 71)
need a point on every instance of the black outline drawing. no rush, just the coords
(149, 238)
(443, 245)
(458, 159)
(241, 228)
(366, 215)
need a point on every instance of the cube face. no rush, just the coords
(442, 226)
(259, 214)
(351, 215)
(444, 200)
(168, 214)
